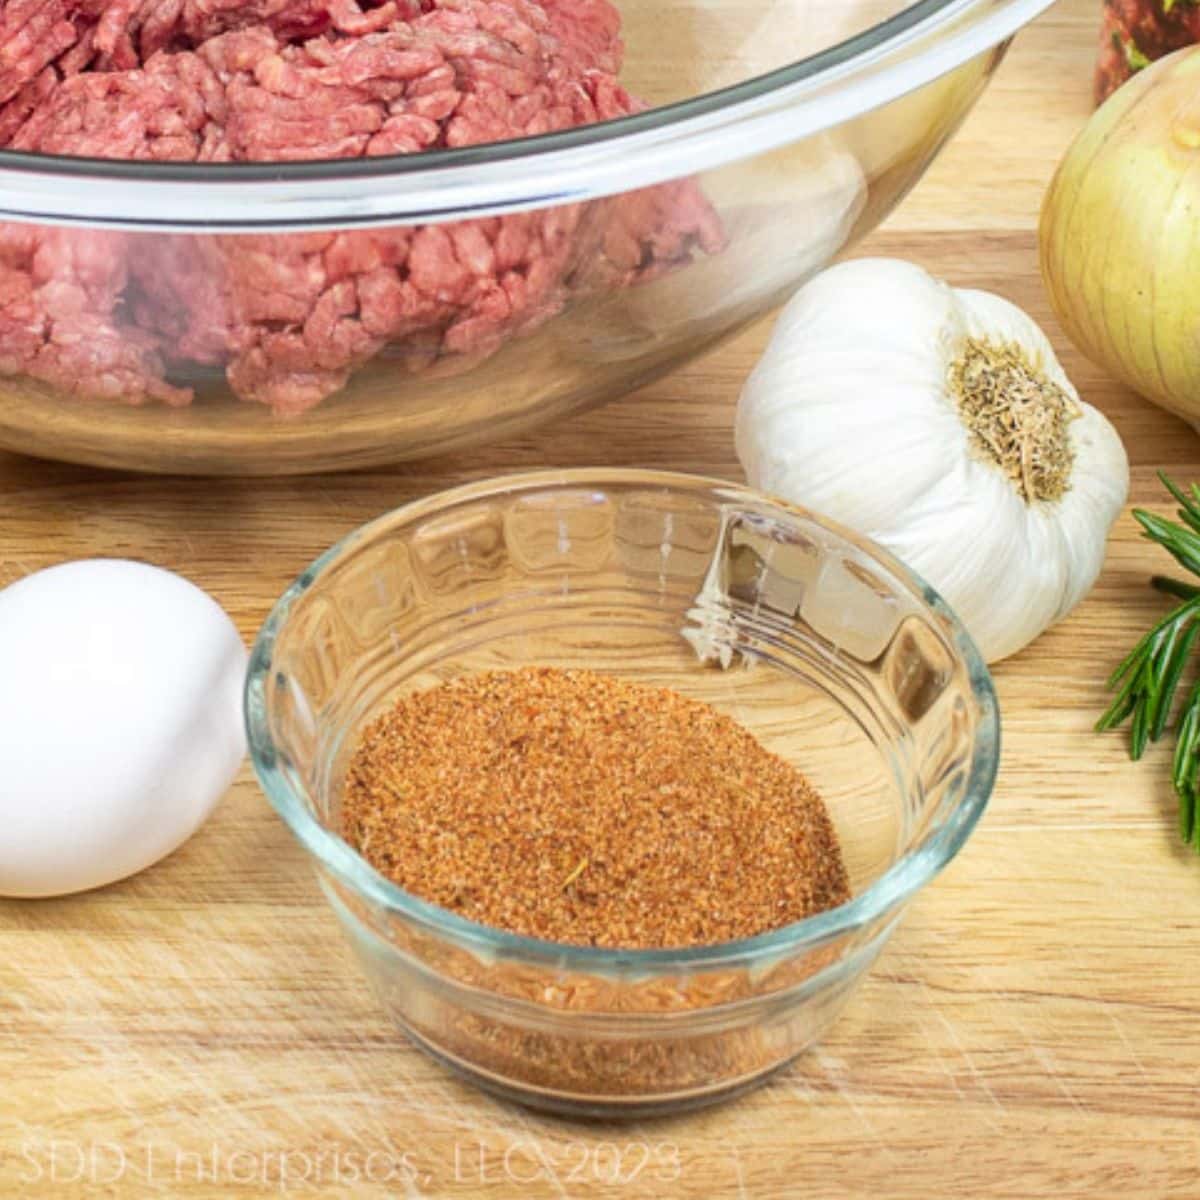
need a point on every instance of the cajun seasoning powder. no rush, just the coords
(585, 809)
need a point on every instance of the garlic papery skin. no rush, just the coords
(938, 422)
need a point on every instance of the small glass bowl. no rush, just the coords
(836, 657)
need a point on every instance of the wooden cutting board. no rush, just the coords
(1032, 1030)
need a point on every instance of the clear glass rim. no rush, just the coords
(903, 52)
(914, 868)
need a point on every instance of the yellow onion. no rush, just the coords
(1120, 235)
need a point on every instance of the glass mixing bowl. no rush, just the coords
(834, 655)
(258, 319)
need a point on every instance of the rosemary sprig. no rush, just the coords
(1148, 679)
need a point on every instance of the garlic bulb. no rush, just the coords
(938, 422)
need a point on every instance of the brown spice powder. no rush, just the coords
(586, 809)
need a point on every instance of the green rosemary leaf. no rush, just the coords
(1187, 811)
(1186, 766)
(1174, 662)
(1127, 665)
(1145, 645)
(1183, 773)
(1189, 509)
(1181, 543)
(1139, 730)
(1131, 675)
(1157, 673)
(1174, 587)
(1186, 735)
(1116, 713)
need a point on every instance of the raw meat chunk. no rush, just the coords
(59, 291)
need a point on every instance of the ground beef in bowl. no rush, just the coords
(289, 317)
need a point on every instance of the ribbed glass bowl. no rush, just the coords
(834, 655)
(302, 330)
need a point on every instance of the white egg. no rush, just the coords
(120, 721)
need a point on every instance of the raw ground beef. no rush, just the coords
(290, 317)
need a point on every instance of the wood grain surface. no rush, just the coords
(1033, 1029)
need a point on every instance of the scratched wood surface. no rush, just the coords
(1032, 1030)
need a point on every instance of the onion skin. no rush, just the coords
(1120, 235)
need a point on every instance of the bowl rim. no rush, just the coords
(911, 871)
(903, 52)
